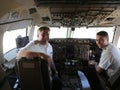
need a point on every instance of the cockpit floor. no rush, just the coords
(71, 83)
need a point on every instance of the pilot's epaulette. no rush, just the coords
(36, 42)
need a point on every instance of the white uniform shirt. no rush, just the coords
(37, 47)
(110, 59)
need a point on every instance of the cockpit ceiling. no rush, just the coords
(76, 2)
(76, 13)
(68, 13)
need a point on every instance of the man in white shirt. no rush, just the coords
(40, 48)
(110, 57)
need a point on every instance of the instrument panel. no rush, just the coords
(73, 49)
(71, 54)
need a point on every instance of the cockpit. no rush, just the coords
(73, 27)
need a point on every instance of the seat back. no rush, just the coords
(114, 81)
(4, 84)
(22, 41)
(33, 74)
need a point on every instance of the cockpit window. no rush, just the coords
(118, 44)
(81, 32)
(90, 32)
(55, 32)
(10, 37)
(58, 32)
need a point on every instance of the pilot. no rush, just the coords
(43, 49)
(110, 56)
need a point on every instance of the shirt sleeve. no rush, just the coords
(115, 52)
(105, 60)
(51, 51)
(28, 46)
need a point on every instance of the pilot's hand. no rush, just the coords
(46, 57)
(49, 60)
(28, 54)
(56, 74)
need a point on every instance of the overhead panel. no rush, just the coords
(77, 13)
(82, 16)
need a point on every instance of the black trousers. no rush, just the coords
(56, 83)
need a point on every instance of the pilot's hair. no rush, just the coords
(102, 33)
(43, 28)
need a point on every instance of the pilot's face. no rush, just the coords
(102, 41)
(43, 35)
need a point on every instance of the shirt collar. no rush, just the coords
(105, 47)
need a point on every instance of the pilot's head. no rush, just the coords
(43, 34)
(102, 39)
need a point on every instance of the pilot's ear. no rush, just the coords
(37, 35)
(108, 38)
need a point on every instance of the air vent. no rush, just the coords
(14, 15)
(110, 19)
(45, 18)
(32, 10)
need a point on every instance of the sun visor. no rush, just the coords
(16, 24)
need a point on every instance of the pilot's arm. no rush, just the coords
(99, 69)
(29, 54)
